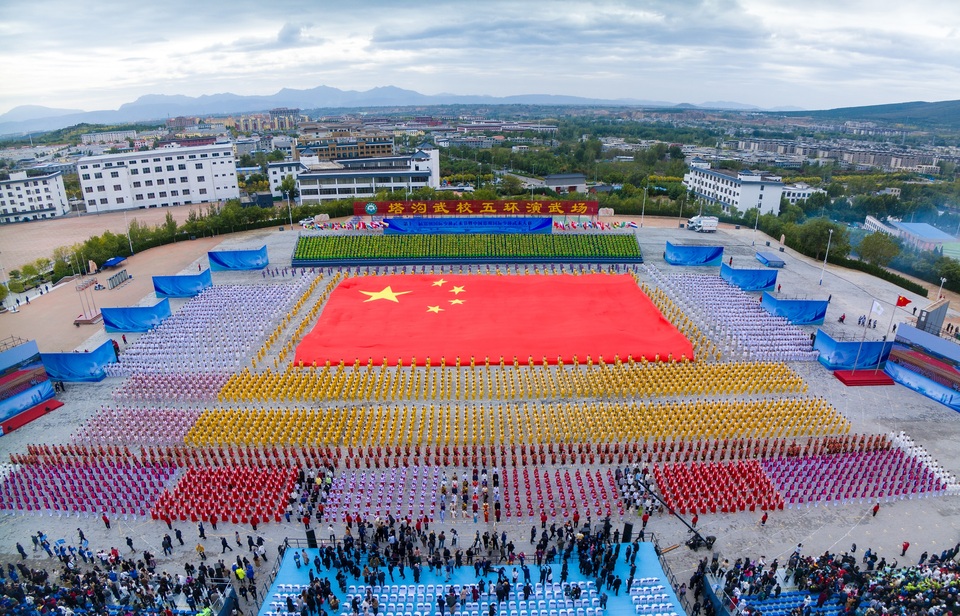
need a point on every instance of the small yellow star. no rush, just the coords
(457, 301)
(434, 309)
(387, 294)
(456, 290)
(439, 283)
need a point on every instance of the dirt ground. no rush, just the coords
(27, 241)
(48, 318)
(931, 524)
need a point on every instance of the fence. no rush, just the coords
(118, 279)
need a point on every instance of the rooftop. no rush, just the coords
(924, 231)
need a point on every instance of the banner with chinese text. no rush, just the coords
(475, 208)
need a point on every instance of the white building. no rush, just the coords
(24, 198)
(278, 170)
(108, 137)
(800, 192)
(362, 177)
(158, 178)
(743, 190)
(284, 143)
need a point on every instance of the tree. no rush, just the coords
(289, 185)
(4, 292)
(43, 265)
(510, 185)
(169, 228)
(879, 249)
(812, 237)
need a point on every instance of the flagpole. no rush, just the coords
(862, 338)
(880, 357)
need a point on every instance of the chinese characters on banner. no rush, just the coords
(468, 208)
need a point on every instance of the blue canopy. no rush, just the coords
(238, 259)
(182, 286)
(797, 311)
(749, 279)
(80, 367)
(676, 254)
(135, 318)
(114, 261)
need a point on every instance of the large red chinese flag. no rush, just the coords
(403, 317)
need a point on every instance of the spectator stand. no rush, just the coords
(652, 591)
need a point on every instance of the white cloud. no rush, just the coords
(814, 54)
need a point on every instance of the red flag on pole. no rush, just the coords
(902, 301)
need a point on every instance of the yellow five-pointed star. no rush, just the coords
(434, 309)
(439, 283)
(457, 301)
(456, 290)
(387, 294)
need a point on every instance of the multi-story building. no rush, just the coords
(284, 143)
(24, 197)
(247, 145)
(337, 148)
(158, 178)
(799, 192)
(743, 190)
(277, 171)
(361, 178)
(108, 137)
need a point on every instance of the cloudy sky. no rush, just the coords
(813, 54)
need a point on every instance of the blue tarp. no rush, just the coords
(182, 286)
(238, 259)
(135, 318)
(770, 259)
(693, 255)
(114, 261)
(80, 367)
(797, 311)
(921, 384)
(836, 355)
(468, 225)
(749, 279)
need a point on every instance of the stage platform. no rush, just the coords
(21, 419)
(863, 378)
(409, 598)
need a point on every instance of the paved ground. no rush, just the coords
(929, 524)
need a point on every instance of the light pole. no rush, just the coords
(129, 241)
(3, 278)
(643, 208)
(940, 290)
(757, 223)
(286, 194)
(829, 237)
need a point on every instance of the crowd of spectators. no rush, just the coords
(864, 584)
(78, 580)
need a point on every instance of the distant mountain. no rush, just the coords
(34, 112)
(943, 114)
(728, 105)
(157, 107)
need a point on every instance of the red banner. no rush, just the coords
(475, 208)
